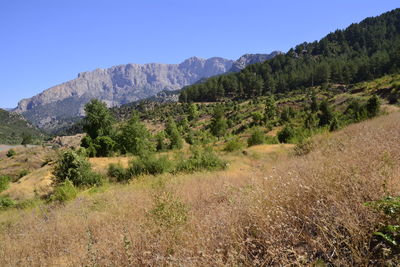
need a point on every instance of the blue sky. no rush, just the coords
(47, 42)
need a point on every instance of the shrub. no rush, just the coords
(11, 153)
(257, 137)
(233, 144)
(200, 159)
(4, 183)
(168, 211)
(64, 192)
(271, 140)
(149, 164)
(373, 106)
(105, 146)
(118, 172)
(6, 203)
(75, 168)
(286, 134)
(23, 173)
(304, 147)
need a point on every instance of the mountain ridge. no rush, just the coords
(121, 84)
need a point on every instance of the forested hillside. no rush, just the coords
(15, 130)
(362, 52)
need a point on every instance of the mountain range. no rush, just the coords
(57, 106)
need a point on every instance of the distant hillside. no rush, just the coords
(14, 126)
(362, 52)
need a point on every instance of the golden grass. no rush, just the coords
(267, 209)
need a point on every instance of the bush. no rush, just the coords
(168, 211)
(257, 137)
(286, 134)
(4, 183)
(11, 153)
(200, 159)
(233, 144)
(64, 192)
(75, 168)
(304, 147)
(23, 173)
(149, 164)
(118, 172)
(105, 146)
(6, 203)
(271, 140)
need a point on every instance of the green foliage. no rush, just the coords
(193, 112)
(304, 147)
(174, 136)
(98, 119)
(270, 108)
(169, 211)
(219, 124)
(361, 52)
(65, 191)
(149, 164)
(161, 144)
(23, 173)
(257, 118)
(373, 106)
(116, 171)
(233, 144)
(6, 202)
(286, 134)
(134, 138)
(4, 183)
(11, 153)
(26, 139)
(71, 166)
(105, 146)
(201, 158)
(257, 137)
(326, 114)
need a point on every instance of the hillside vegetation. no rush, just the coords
(14, 129)
(267, 209)
(363, 51)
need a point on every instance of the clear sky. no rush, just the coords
(47, 42)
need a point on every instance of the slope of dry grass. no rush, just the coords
(267, 209)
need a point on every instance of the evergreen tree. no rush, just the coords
(270, 108)
(98, 119)
(174, 136)
(218, 124)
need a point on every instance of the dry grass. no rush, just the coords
(267, 209)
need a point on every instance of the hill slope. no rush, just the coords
(266, 209)
(363, 51)
(13, 126)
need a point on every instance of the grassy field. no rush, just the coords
(269, 207)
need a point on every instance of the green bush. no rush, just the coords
(4, 183)
(6, 202)
(200, 159)
(257, 137)
(116, 171)
(304, 147)
(233, 144)
(271, 140)
(286, 134)
(71, 166)
(149, 164)
(105, 146)
(64, 192)
(11, 153)
(23, 173)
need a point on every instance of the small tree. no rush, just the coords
(373, 106)
(26, 139)
(75, 168)
(286, 134)
(174, 136)
(98, 120)
(134, 137)
(270, 108)
(257, 137)
(219, 124)
(193, 112)
(326, 115)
